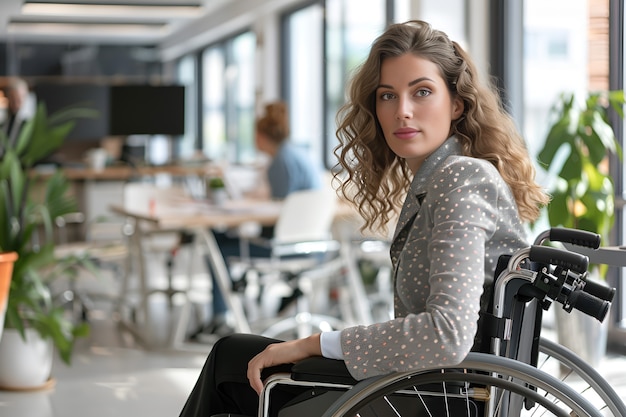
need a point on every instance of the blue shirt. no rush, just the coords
(291, 170)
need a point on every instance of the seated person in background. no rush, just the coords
(289, 170)
(420, 130)
(16, 113)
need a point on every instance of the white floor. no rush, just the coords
(109, 377)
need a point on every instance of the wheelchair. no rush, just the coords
(502, 376)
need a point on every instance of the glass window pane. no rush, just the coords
(352, 25)
(186, 75)
(228, 99)
(213, 102)
(240, 92)
(447, 15)
(555, 60)
(305, 91)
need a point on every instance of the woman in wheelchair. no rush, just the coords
(420, 133)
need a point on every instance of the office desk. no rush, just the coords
(197, 218)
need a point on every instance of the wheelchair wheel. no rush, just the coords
(555, 359)
(487, 386)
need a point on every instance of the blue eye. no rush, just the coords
(422, 92)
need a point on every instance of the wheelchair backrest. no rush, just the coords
(517, 331)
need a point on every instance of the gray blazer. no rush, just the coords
(458, 217)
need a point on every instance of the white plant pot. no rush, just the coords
(582, 334)
(26, 364)
(219, 196)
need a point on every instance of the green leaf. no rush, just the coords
(617, 101)
(24, 138)
(572, 167)
(560, 134)
(558, 210)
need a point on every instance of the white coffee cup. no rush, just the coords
(98, 159)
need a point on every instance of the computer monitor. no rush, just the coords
(147, 110)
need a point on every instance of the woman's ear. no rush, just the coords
(457, 107)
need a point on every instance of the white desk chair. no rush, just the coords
(368, 297)
(81, 290)
(304, 259)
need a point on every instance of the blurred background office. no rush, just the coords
(288, 170)
(209, 67)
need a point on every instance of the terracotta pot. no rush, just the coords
(7, 259)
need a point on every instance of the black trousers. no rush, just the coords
(223, 386)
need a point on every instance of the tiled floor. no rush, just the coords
(111, 375)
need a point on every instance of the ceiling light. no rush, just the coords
(113, 29)
(111, 10)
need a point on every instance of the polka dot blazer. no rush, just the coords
(458, 218)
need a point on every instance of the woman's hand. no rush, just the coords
(281, 353)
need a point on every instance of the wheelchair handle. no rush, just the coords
(588, 304)
(559, 257)
(574, 236)
(599, 290)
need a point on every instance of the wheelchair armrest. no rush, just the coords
(319, 369)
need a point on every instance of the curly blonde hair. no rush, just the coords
(375, 179)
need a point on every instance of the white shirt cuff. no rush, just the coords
(330, 343)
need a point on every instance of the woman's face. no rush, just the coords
(414, 107)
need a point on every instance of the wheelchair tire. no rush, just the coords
(513, 386)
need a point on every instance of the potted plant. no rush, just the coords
(575, 153)
(31, 307)
(217, 190)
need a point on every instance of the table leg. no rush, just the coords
(223, 279)
(136, 253)
(356, 285)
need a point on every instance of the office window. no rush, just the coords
(186, 75)
(321, 48)
(555, 61)
(213, 103)
(240, 73)
(351, 27)
(304, 85)
(228, 99)
(558, 58)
